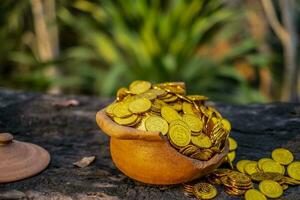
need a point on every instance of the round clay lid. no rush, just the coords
(20, 160)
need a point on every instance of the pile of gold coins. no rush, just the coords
(270, 173)
(191, 127)
(199, 131)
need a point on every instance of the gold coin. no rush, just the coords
(291, 181)
(197, 97)
(136, 123)
(232, 144)
(171, 99)
(251, 167)
(180, 122)
(226, 125)
(158, 92)
(148, 95)
(293, 170)
(173, 84)
(203, 154)
(142, 125)
(201, 141)
(188, 150)
(156, 123)
(139, 87)
(188, 190)
(254, 194)
(234, 191)
(176, 106)
(231, 156)
(285, 186)
(167, 96)
(270, 188)
(220, 172)
(239, 179)
(187, 108)
(126, 120)
(169, 114)
(175, 90)
(158, 104)
(241, 164)
(139, 105)
(272, 166)
(109, 109)
(193, 122)
(282, 156)
(121, 110)
(122, 93)
(260, 176)
(179, 135)
(215, 112)
(205, 111)
(184, 98)
(205, 191)
(261, 162)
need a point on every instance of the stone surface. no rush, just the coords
(70, 133)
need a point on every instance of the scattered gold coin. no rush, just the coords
(251, 167)
(205, 191)
(226, 124)
(240, 165)
(261, 161)
(254, 194)
(293, 170)
(282, 156)
(285, 186)
(260, 176)
(270, 188)
(273, 166)
(232, 144)
(231, 156)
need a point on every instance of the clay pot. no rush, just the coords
(146, 157)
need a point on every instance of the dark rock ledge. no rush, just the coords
(70, 133)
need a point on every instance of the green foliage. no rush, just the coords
(108, 44)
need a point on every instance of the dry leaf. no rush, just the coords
(66, 103)
(85, 161)
(102, 196)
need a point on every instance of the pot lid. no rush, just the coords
(20, 160)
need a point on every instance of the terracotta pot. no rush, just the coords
(146, 157)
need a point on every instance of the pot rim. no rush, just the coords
(115, 130)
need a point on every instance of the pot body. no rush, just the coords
(145, 156)
(156, 162)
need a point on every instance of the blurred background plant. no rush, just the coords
(223, 49)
